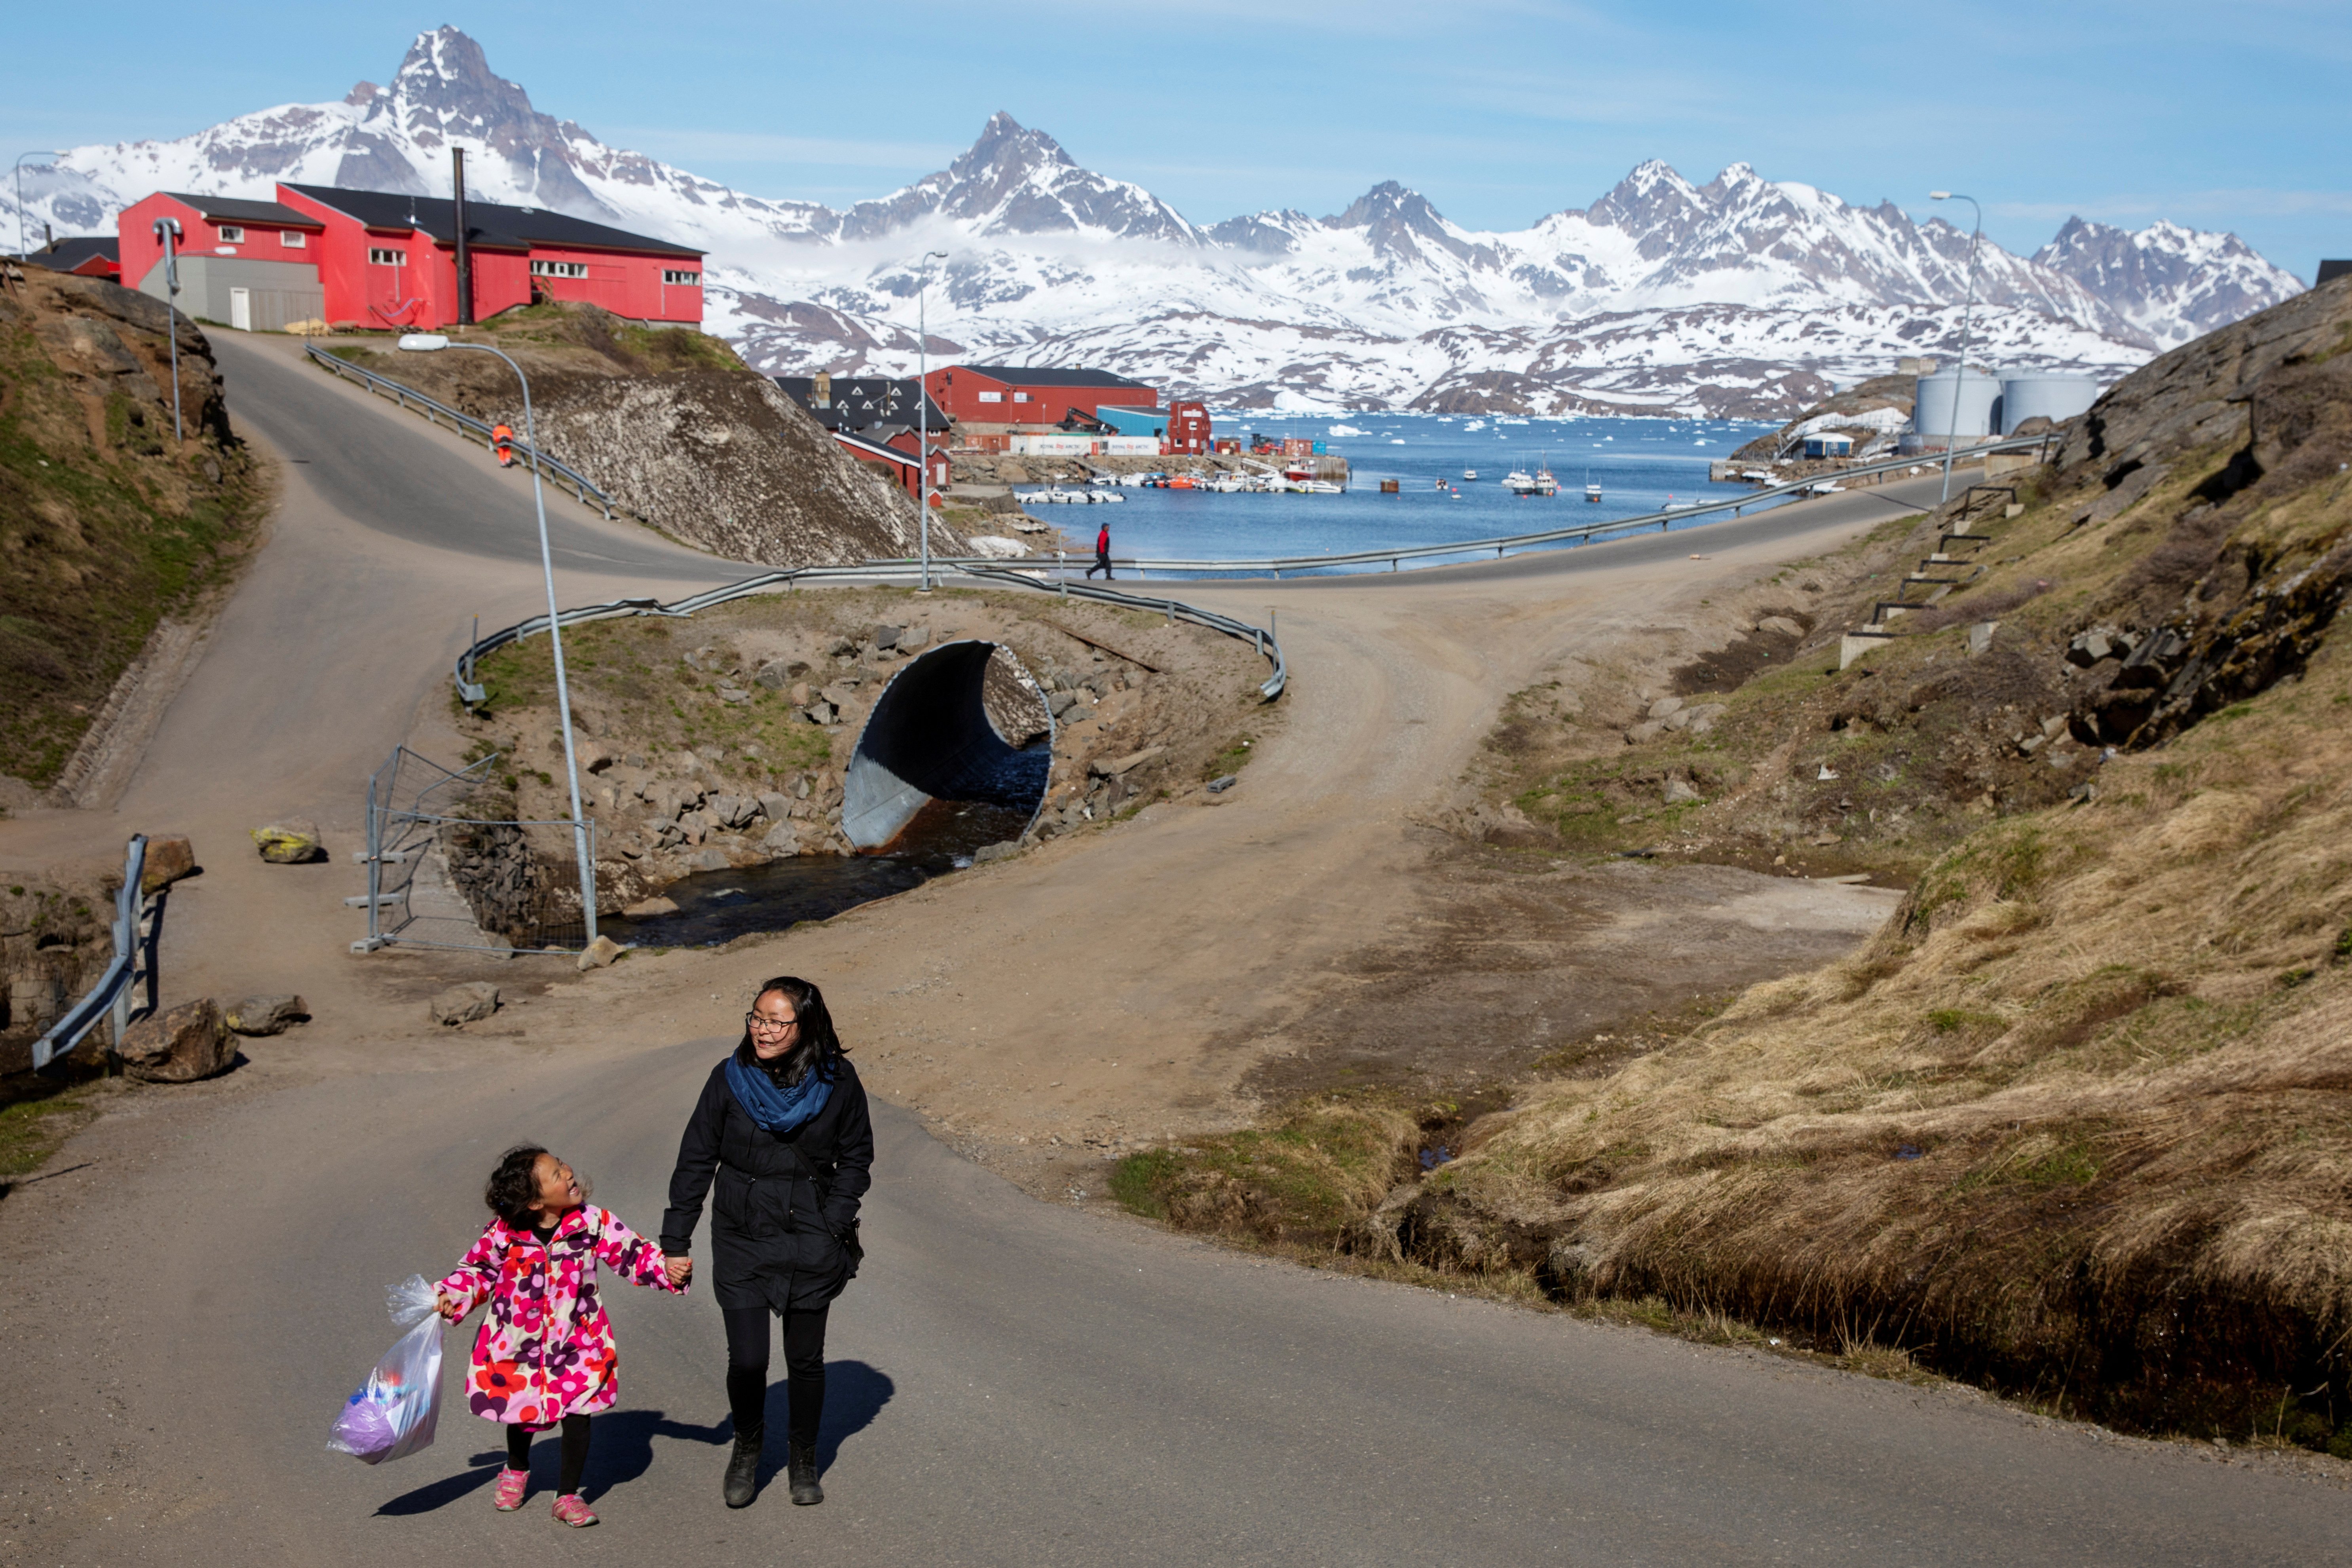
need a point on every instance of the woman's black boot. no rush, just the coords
(743, 1470)
(803, 1463)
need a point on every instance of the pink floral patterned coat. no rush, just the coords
(545, 1350)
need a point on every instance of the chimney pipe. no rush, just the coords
(464, 254)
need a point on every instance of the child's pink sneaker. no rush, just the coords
(512, 1485)
(570, 1509)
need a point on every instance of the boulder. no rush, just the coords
(467, 1003)
(887, 635)
(776, 807)
(1703, 717)
(189, 1042)
(988, 852)
(1665, 706)
(914, 639)
(733, 694)
(822, 712)
(774, 676)
(289, 842)
(1679, 793)
(1781, 625)
(782, 840)
(1113, 767)
(268, 1015)
(1643, 733)
(800, 694)
(645, 909)
(711, 858)
(600, 952)
(170, 856)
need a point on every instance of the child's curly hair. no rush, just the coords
(513, 1187)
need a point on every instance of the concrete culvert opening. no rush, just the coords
(961, 730)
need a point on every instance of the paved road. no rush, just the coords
(417, 482)
(193, 1291)
(1014, 1383)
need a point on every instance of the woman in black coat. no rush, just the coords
(783, 1126)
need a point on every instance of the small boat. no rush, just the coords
(1444, 486)
(1539, 483)
(1591, 488)
(1469, 473)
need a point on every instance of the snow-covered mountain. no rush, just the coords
(1742, 296)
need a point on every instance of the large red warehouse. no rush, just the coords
(1002, 394)
(371, 258)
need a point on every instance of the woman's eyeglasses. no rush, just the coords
(777, 1025)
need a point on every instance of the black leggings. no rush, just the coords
(747, 1341)
(575, 1452)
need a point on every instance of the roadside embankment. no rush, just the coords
(673, 426)
(2076, 1123)
(116, 538)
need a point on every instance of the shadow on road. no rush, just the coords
(854, 1395)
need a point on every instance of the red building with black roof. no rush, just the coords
(375, 259)
(1013, 395)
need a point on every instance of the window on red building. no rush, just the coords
(686, 280)
(378, 255)
(559, 269)
(291, 238)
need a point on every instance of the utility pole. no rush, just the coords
(923, 409)
(1961, 371)
(434, 343)
(465, 253)
(37, 153)
(167, 229)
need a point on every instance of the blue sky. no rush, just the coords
(2217, 116)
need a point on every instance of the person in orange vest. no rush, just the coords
(1102, 554)
(503, 442)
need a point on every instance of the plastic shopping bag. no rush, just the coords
(392, 1413)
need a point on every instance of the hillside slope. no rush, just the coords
(107, 526)
(2077, 1123)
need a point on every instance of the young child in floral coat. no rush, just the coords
(545, 1355)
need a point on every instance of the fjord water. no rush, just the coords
(1641, 465)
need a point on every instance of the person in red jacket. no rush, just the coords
(1102, 554)
(503, 442)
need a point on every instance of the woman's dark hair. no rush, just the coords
(513, 1187)
(816, 1042)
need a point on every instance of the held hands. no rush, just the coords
(679, 1270)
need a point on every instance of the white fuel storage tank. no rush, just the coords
(1933, 410)
(2051, 397)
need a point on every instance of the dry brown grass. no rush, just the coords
(2076, 1119)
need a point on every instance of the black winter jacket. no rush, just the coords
(775, 1241)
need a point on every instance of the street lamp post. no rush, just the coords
(1960, 372)
(433, 342)
(923, 410)
(38, 152)
(167, 229)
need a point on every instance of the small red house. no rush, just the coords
(374, 260)
(1188, 427)
(85, 256)
(1002, 394)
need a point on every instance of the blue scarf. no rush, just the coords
(777, 1109)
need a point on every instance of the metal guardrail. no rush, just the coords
(1505, 544)
(435, 412)
(1009, 573)
(112, 995)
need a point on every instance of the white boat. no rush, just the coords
(1314, 487)
(1591, 489)
(1469, 473)
(1539, 483)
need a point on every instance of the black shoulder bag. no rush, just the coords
(852, 1247)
